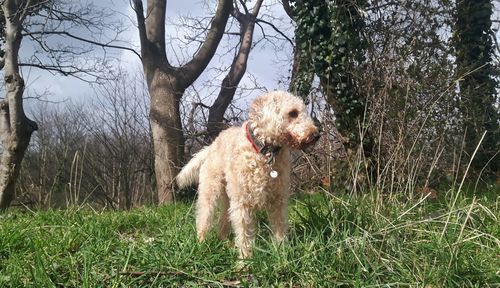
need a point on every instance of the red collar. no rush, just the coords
(268, 151)
(251, 137)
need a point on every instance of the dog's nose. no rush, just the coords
(316, 136)
(313, 138)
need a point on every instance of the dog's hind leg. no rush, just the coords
(209, 190)
(224, 217)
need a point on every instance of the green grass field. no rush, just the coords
(362, 241)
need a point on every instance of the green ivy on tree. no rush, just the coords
(478, 88)
(329, 36)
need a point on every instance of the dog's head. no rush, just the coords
(280, 118)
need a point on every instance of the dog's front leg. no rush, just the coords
(243, 222)
(277, 211)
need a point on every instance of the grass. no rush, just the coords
(362, 241)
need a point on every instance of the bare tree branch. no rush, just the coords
(64, 33)
(277, 30)
(193, 68)
(238, 69)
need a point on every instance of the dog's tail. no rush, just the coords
(191, 171)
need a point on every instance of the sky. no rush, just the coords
(268, 62)
(268, 65)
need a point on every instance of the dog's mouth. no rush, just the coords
(302, 144)
(310, 141)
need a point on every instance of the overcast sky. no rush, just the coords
(268, 63)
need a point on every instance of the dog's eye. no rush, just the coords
(293, 114)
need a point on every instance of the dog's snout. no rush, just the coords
(312, 138)
(316, 135)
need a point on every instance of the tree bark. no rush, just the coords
(15, 127)
(302, 74)
(166, 127)
(302, 67)
(166, 85)
(474, 52)
(238, 68)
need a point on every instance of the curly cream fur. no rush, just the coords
(190, 173)
(231, 172)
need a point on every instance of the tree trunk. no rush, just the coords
(166, 126)
(474, 51)
(302, 74)
(348, 113)
(166, 85)
(15, 127)
(302, 67)
(238, 68)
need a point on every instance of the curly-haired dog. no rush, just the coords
(248, 168)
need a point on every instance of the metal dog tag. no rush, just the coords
(273, 174)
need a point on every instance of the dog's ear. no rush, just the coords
(256, 108)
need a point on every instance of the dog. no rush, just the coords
(248, 168)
